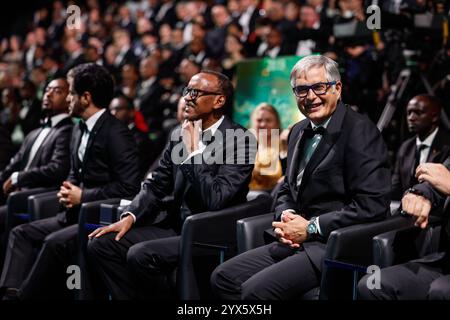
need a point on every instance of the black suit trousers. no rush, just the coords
(23, 243)
(409, 281)
(271, 272)
(123, 264)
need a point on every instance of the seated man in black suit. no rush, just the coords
(6, 152)
(337, 175)
(429, 277)
(104, 164)
(430, 144)
(136, 254)
(122, 108)
(44, 157)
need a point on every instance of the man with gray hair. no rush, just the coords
(337, 175)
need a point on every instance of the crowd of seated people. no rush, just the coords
(162, 68)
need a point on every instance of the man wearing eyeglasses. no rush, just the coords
(337, 175)
(137, 255)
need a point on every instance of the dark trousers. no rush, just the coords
(139, 265)
(55, 243)
(271, 272)
(409, 281)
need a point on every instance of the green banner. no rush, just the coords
(265, 80)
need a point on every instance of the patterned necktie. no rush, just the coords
(313, 137)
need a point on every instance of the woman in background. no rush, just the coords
(268, 169)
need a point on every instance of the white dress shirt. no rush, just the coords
(425, 152)
(90, 123)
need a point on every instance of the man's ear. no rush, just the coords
(220, 102)
(86, 99)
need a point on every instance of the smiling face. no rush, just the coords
(317, 108)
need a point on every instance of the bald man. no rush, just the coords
(431, 143)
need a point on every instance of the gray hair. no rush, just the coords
(305, 64)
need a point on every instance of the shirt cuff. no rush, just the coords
(287, 210)
(15, 178)
(316, 222)
(126, 214)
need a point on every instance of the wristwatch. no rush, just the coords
(311, 229)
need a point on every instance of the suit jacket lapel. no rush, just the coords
(293, 167)
(92, 136)
(34, 134)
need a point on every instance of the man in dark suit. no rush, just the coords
(429, 277)
(6, 148)
(430, 144)
(44, 157)
(122, 108)
(136, 254)
(104, 164)
(149, 94)
(337, 175)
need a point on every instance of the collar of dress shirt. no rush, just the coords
(58, 118)
(323, 124)
(90, 123)
(428, 140)
(215, 126)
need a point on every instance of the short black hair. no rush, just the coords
(95, 79)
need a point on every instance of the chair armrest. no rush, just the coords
(406, 243)
(250, 231)
(212, 230)
(353, 244)
(17, 201)
(90, 211)
(44, 205)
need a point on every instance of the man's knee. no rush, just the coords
(97, 246)
(222, 280)
(20, 231)
(440, 289)
(142, 256)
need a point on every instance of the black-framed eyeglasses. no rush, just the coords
(196, 93)
(319, 88)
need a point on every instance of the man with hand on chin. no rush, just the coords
(137, 255)
(337, 175)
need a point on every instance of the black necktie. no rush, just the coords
(83, 127)
(419, 149)
(46, 123)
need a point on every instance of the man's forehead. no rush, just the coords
(313, 75)
(202, 80)
(417, 104)
(55, 84)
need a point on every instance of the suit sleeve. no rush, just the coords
(218, 190)
(284, 197)
(368, 179)
(56, 169)
(154, 189)
(15, 163)
(124, 166)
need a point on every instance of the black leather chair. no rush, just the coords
(348, 252)
(207, 239)
(18, 211)
(407, 243)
